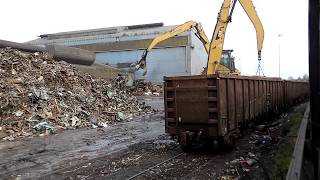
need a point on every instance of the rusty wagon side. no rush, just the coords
(205, 108)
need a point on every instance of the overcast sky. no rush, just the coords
(23, 20)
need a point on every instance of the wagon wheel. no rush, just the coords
(233, 141)
(230, 142)
(186, 147)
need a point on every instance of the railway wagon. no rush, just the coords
(207, 108)
(296, 91)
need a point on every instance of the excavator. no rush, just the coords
(226, 66)
(219, 61)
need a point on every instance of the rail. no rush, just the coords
(294, 172)
(146, 170)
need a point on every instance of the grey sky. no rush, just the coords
(25, 20)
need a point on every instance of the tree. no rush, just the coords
(305, 77)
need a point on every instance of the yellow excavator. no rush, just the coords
(219, 61)
(227, 65)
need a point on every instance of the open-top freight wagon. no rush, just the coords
(208, 108)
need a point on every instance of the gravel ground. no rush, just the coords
(201, 163)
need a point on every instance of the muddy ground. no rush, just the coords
(137, 149)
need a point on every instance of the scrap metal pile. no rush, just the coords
(39, 95)
(146, 89)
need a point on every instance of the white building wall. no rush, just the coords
(199, 56)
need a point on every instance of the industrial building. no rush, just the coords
(124, 45)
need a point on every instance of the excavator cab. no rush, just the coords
(227, 60)
(227, 66)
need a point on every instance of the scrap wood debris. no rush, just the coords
(39, 95)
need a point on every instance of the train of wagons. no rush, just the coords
(209, 108)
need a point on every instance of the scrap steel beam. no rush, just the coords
(21, 46)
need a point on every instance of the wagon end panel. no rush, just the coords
(191, 101)
(169, 105)
(191, 108)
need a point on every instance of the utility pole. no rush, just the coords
(280, 35)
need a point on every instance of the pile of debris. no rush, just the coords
(39, 95)
(146, 89)
(241, 167)
(263, 140)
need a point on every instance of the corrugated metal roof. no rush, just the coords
(100, 31)
(123, 33)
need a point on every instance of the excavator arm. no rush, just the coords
(217, 41)
(252, 14)
(174, 32)
(224, 17)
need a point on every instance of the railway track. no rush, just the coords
(146, 170)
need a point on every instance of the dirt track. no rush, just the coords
(40, 155)
(160, 158)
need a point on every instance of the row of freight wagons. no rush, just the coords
(201, 108)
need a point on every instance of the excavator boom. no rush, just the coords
(252, 14)
(174, 32)
(217, 41)
(224, 17)
(223, 68)
(178, 30)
